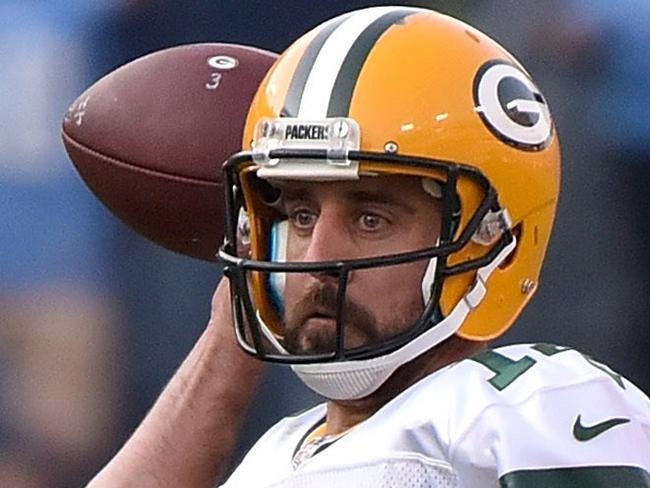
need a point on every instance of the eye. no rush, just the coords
(303, 219)
(371, 222)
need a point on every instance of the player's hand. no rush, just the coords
(221, 312)
(221, 329)
(221, 307)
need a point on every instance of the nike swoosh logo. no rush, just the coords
(584, 433)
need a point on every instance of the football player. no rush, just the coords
(389, 218)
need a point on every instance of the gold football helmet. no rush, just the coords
(396, 90)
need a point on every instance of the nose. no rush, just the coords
(329, 240)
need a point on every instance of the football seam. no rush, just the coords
(133, 167)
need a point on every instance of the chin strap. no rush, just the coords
(351, 380)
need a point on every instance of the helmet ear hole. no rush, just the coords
(516, 231)
(266, 192)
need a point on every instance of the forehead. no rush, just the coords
(388, 188)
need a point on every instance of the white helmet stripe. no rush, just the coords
(297, 86)
(316, 97)
(343, 40)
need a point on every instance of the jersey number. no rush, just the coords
(508, 370)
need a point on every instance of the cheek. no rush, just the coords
(393, 294)
(295, 248)
(294, 287)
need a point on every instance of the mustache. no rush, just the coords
(322, 300)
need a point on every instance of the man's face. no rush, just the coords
(374, 216)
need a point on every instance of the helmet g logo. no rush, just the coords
(511, 106)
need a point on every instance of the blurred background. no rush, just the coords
(94, 319)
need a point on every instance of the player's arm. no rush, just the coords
(187, 437)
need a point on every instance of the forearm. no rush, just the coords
(188, 436)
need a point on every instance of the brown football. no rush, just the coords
(149, 139)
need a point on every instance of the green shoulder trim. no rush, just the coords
(589, 476)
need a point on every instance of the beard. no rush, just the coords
(311, 323)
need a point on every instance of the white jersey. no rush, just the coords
(517, 416)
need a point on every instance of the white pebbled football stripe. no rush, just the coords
(323, 74)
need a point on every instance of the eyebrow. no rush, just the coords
(382, 198)
(355, 196)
